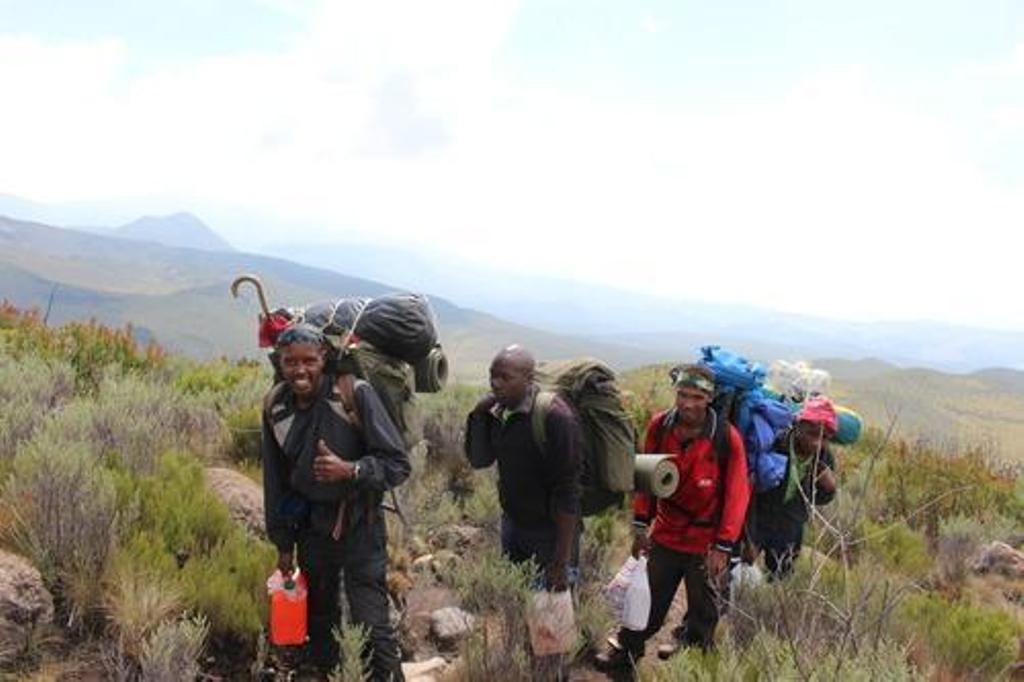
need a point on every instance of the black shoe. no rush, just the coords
(615, 658)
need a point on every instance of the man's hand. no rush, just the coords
(286, 563)
(328, 467)
(641, 542)
(717, 561)
(557, 577)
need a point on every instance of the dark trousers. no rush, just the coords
(361, 557)
(521, 544)
(666, 568)
(781, 546)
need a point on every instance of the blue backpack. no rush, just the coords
(740, 398)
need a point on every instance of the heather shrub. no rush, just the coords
(136, 602)
(968, 640)
(180, 531)
(63, 510)
(898, 548)
(352, 642)
(174, 505)
(30, 390)
(171, 653)
(134, 420)
(245, 427)
(89, 347)
(491, 585)
(228, 586)
(482, 506)
(772, 658)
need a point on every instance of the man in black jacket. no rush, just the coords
(780, 514)
(330, 451)
(539, 489)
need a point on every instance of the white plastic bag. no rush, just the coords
(629, 594)
(746, 575)
(552, 623)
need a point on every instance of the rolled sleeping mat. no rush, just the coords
(656, 474)
(431, 371)
(849, 424)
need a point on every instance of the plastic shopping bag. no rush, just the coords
(629, 594)
(552, 623)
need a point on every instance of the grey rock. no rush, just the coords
(450, 625)
(25, 604)
(242, 496)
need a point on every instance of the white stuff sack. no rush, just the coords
(746, 576)
(629, 594)
(552, 623)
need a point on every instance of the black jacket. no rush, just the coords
(292, 500)
(775, 520)
(532, 484)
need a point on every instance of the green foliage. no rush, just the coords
(89, 347)
(228, 585)
(925, 486)
(172, 651)
(214, 377)
(352, 642)
(181, 531)
(898, 548)
(136, 602)
(175, 506)
(134, 420)
(482, 507)
(245, 427)
(62, 505)
(966, 639)
(30, 390)
(771, 658)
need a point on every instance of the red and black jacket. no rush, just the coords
(710, 504)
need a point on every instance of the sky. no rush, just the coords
(857, 160)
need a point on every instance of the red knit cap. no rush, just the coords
(819, 410)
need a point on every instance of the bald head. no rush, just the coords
(511, 374)
(517, 357)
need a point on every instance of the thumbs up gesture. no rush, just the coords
(329, 467)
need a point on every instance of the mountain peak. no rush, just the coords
(177, 229)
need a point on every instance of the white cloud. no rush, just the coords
(390, 120)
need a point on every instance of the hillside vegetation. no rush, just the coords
(106, 449)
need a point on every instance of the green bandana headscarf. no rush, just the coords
(688, 378)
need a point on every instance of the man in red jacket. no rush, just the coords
(694, 531)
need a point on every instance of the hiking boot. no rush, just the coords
(614, 659)
(666, 651)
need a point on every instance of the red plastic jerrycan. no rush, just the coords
(287, 609)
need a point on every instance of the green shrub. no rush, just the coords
(30, 390)
(62, 503)
(135, 420)
(137, 601)
(898, 548)
(89, 347)
(171, 653)
(175, 506)
(228, 586)
(352, 642)
(966, 639)
(482, 507)
(245, 427)
(771, 658)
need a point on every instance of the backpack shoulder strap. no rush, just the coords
(273, 395)
(539, 416)
(345, 392)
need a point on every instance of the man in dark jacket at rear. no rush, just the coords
(330, 450)
(690, 536)
(539, 489)
(778, 516)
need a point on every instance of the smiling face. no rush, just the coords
(302, 365)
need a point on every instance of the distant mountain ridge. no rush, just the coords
(668, 326)
(180, 295)
(178, 229)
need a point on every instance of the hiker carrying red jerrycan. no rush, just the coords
(778, 516)
(690, 536)
(330, 451)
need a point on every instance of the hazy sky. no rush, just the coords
(852, 159)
